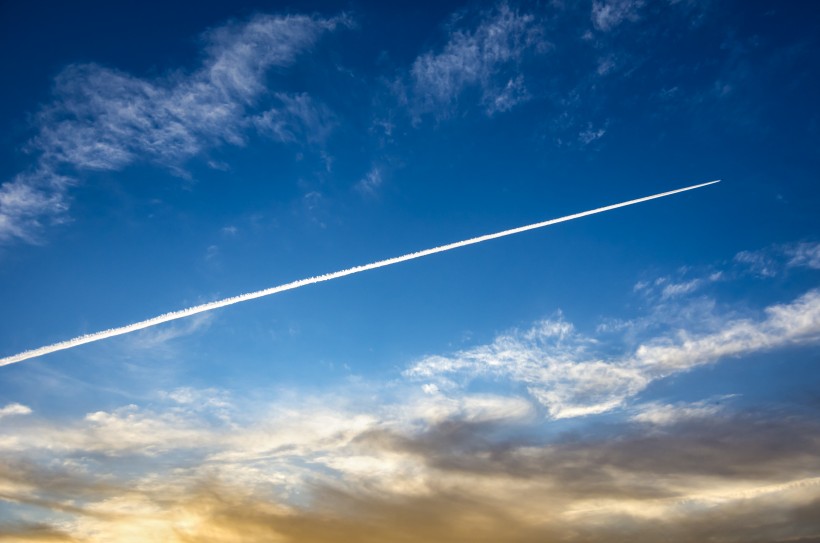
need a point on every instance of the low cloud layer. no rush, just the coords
(428, 457)
(741, 477)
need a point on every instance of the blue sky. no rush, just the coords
(649, 370)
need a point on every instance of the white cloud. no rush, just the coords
(785, 324)
(554, 363)
(484, 57)
(225, 430)
(667, 288)
(14, 409)
(127, 430)
(608, 14)
(104, 119)
(677, 289)
(563, 372)
(661, 414)
(430, 388)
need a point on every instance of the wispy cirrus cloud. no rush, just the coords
(757, 262)
(371, 181)
(297, 118)
(485, 57)
(608, 14)
(104, 119)
(29, 200)
(591, 134)
(804, 254)
(776, 259)
(684, 283)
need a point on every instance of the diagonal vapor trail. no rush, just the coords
(181, 314)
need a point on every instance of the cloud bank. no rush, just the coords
(307, 472)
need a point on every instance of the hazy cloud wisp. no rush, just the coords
(484, 57)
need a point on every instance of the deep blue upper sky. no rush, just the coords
(155, 156)
(391, 137)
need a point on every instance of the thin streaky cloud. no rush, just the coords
(167, 317)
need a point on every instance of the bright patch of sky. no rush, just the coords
(650, 370)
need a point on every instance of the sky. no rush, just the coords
(645, 373)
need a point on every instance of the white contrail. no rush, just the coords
(88, 338)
